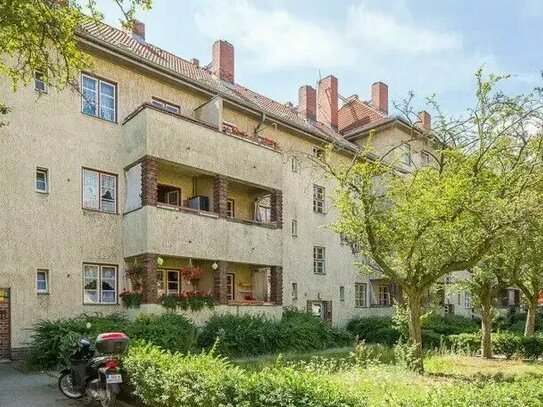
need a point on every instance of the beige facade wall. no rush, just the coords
(52, 231)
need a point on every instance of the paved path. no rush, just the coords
(30, 390)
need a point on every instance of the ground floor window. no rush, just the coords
(230, 286)
(42, 281)
(360, 294)
(99, 284)
(168, 281)
(383, 297)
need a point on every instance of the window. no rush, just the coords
(467, 301)
(319, 153)
(165, 105)
(168, 195)
(99, 191)
(405, 150)
(98, 98)
(42, 180)
(230, 286)
(459, 299)
(264, 214)
(99, 284)
(295, 163)
(294, 227)
(424, 157)
(42, 282)
(172, 280)
(294, 291)
(39, 82)
(360, 293)
(343, 239)
(341, 293)
(383, 295)
(230, 208)
(319, 260)
(318, 199)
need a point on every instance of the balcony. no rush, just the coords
(180, 233)
(150, 131)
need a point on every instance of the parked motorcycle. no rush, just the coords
(94, 374)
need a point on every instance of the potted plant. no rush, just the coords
(193, 274)
(130, 299)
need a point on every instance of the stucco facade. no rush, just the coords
(188, 151)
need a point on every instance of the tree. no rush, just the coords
(416, 228)
(41, 35)
(483, 285)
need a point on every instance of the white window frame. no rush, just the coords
(230, 208)
(176, 193)
(319, 194)
(231, 286)
(294, 291)
(166, 277)
(46, 280)
(100, 268)
(161, 104)
(39, 78)
(406, 154)
(98, 97)
(101, 175)
(294, 227)
(467, 301)
(319, 153)
(319, 260)
(45, 172)
(360, 295)
(342, 293)
(424, 157)
(383, 295)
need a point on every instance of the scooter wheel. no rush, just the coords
(67, 388)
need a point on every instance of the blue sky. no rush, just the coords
(426, 46)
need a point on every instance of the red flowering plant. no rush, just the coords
(130, 299)
(135, 274)
(192, 273)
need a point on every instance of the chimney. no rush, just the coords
(138, 31)
(425, 120)
(195, 62)
(223, 61)
(307, 102)
(327, 101)
(379, 96)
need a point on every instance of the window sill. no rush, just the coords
(319, 274)
(100, 118)
(44, 293)
(100, 304)
(42, 192)
(98, 211)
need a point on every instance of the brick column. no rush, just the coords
(276, 203)
(276, 281)
(5, 324)
(149, 180)
(220, 282)
(220, 195)
(149, 282)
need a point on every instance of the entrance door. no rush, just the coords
(5, 324)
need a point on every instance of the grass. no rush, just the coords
(383, 383)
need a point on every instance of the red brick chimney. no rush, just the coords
(138, 31)
(307, 102)
(379, 96)
(223, 61)
(327, 101)
(425, 120)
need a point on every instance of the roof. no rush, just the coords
(124, 41)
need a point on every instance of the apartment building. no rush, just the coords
(157, 163)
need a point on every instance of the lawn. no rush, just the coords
(472, 381)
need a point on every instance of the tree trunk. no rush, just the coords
(415, 329)
(486, 330)
(530, 319)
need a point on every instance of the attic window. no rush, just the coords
(170, 107)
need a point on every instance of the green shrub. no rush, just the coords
(163, 379)
(374, 330)
(431, 339)
(506, 344)
(450, 324)
(52, 341)
(469, 343)
(170, 331)
(531, 347)
(255, 335)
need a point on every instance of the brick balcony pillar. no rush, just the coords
(220, 282)
(220, 195)
(149, 287)
(149, 180)
(276, 203)
(276, 282)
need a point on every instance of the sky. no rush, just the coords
(425, 46)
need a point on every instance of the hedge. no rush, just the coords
(374, 330)
(507, 344)
(163, 379)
